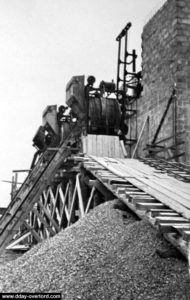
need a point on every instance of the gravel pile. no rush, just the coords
(8, 255)
(100, 257)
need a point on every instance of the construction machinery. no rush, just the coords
(101, 110)
(83, 158)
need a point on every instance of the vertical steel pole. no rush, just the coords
(118, 65)
(124, 74)
(175, 123)
(125, 62)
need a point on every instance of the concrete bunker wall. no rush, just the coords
(165, 63)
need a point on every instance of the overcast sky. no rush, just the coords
(43, 43)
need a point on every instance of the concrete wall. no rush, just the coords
(165, 62)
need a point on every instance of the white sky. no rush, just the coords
(43, 43)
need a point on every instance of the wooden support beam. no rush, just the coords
(33, 232)
(142, 197)
(173, 96)
(138, 200)
(148, 206)
(21, 171)
(118, 181)
(48, 215)
(169, 214)
(67, 214)
(81, 204)
(15, 243)
(104, 191)
(90, 199)
(123, 148)
(71, 212)
(56, 202)
(163, 219)
(63, 209)
(42, 220)
(135, 193)
(52, 198)
(125, 190)
(156, 211)
(170, 227)
(140, 136)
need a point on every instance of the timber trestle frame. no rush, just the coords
(36, 182)
(80, 184)
(69, 197)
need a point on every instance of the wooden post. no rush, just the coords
(80, 197)
(188, 254)
(85, 190)
(72, 201)
(140, 135)
(12, 188)
(90, 200)
(71, 191)
(63, 200)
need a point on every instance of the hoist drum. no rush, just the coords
(104, 116)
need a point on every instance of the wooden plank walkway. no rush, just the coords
(170, 191)
(162, 200)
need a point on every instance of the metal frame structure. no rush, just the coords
(128, 102)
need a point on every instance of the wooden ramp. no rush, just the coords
(31, 202)
(161, 199)
(168, 190)
(38, 179)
